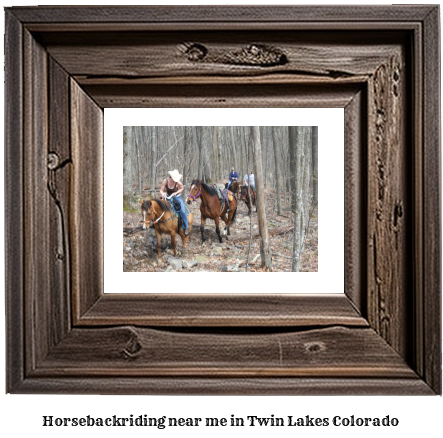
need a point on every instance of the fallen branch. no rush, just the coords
(128, 230)
(159, 161)
(271, 232)
(251, 263)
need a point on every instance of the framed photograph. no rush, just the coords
(377, 331)
(201, 264)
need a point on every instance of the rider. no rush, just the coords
(233, 176)
(250, 177)
(173, 186)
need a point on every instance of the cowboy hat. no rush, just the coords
(175, 175)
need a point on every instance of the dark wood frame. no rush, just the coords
(64, 65)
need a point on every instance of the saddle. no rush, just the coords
(175, 208)
(224, 196)
(227, 195)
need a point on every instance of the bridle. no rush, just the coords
(157, 220)
(196, 196)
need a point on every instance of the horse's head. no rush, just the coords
(147, 212)
(194, 191)
(244, 192)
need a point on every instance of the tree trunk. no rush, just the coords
(260, 200)
(199, 131)
(277, 168)
(215, 142)
(207, 164)
(299, 142)
(137, 148)
(234, 152)
(127, 166)
(153, 159)
(185, 154)
(315, 163)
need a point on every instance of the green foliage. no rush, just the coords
(128, 204)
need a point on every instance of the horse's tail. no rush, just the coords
(233, 216)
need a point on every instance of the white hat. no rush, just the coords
(175, 175)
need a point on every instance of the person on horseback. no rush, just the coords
(250, 180)
(233, 176)
(173, 186)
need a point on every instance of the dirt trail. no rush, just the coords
(140, 247)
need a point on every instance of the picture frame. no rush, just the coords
(65, 64)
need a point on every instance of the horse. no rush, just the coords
(244, 196)
(235, 188)
(165, 222)
(211, 207)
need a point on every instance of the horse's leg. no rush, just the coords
(144, 220)
(225, 219)
(227, 222)
(217, 228)
(159, 244)
(173, 242)
(182, 234)
(202, 229)
(185, 241)
(231, 218)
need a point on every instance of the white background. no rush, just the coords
(21, 414)
(330, 122)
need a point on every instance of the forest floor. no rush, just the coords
(140, 247)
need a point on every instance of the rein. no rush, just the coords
(196, 196)
(166, 220)
(159, 218)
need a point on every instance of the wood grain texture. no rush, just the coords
(164, 385)
(233, 95)
(430, 319)
(355, 190)
(388, 204)
(265, 15)
(66, 336)
(205, 310)
(86, 199)
(36, 203)
(59, 167)
(159, 54)
(14, 239)
(129, 351)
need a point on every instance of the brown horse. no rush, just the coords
(235, 188)
(165, 222)
(211, 207)
(248, 197)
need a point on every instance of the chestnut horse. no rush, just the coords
(165, 222)
(235, 188)
(211, 207)
(247, 197)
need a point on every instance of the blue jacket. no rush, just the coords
(233, 175)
